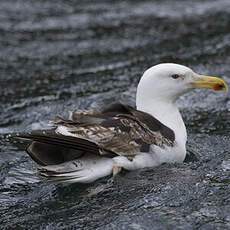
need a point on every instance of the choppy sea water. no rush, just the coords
(61, 55)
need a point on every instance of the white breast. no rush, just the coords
(169, 115)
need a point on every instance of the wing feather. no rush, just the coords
(117, 130)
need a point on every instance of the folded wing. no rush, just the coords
(117, 130)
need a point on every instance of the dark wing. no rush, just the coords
(117, 130)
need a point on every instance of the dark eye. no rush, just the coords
(175, 76)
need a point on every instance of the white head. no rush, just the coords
(166, 82)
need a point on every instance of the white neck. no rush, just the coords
(166, 112)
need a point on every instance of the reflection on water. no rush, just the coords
(58, 56)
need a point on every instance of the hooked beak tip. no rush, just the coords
(208, 82)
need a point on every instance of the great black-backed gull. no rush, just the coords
(94, 144)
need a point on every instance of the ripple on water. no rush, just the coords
(64, 55)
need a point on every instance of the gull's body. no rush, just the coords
(92, 145)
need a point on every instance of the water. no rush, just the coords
(63, 55)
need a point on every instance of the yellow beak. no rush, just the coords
(208, 82)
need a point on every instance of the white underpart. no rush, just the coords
(84, 170)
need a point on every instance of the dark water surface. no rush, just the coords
(61, 55)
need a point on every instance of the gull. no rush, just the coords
(93, 144)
